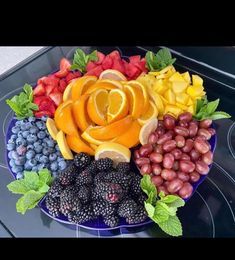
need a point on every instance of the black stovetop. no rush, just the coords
(211, 210)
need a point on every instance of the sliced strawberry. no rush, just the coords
(38, 100)
(90, 65)
(39, 90)
(61, 73)
(47, 105)
(65, 64)
(56, 96)
(118, 65)
(49, 89)
(132, 71)
(101, 57)
(134, 59)
(51, 80)
(107, 63)
(70, 76)
(95, 72)
(115, 55)
(40, 81)
(77, 74)
(39, 114)
(141, 65)
(62, 86)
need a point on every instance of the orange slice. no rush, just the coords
(81, 85)
(151, 113)
(68, 92)
(112, 130)
(135, 100)
(97, 106)
(105, 84)
(63, 145)
(136, 84)
(77, 145)
(147, 129)
(118, 105)
(131, 137)
(112, 74)
(62, 106)
(80, 114)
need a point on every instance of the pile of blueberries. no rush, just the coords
(31, 148)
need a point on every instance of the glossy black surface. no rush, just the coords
(209, 213)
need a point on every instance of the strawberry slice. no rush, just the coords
(51, 80)
(101, 57)
(77, 74)
(61, 73)
(62, 86)
(118, 65)
(70, 76)
(56, 96)
(132, 71)
(134, 59)
(95, 71)
(107, 63)
(40, 114)
(47, 105)
(38, 100)
(115, 55)
(49, 89)
(39, 90)
(41, 80)
(65, 64)
(90, 65)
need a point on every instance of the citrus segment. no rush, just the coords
(151, 113)
(64, 148)
(68, 92)
(77, 145)
(147, 129)
(112, 74)
(105, 84)
(51, 127)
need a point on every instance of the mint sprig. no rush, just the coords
(160, 60)
(22, 104)
(207, 110)
(81, 59)
(33, 187)
(162, 208)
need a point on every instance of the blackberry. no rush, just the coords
(127, 208)
(104, 164)
(53, 206)
(111, 221)
(135, 185)
(92, 168)
(84, 178)
(94, 194)
(68, 175)
(103, 208)
(99, 178)
(138, 217)
(118, 177)
(82, 160)
(84, 194)
(110, 192)
(55, 189)
(141, 199)
(123, 167)
(83, 215)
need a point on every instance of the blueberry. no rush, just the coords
(13, 137)
(40, 125)
(44, 118)
(45, 140)
(30, 146)
(25, 133)
(14, 155)
(57, 148)
(27, 166)
(21, 141)
(59, 154)
(38, 149)
(32, 138)
(52, 157)
(43, 159)
(10, 146)
(12, 162)
(23, 127)
(32, 162)
(39, 142)
(55, 174)
(46, 151)
(35, 168)
(20, 134)
(44, 144)
(59, 158)
(21, 150)
(41, 166)
(10, 154)
(30, 154)
(20, 161)
(41, 134)
(32, 119)
(54, 166)
(17, 169)
(62, 165)
(50, 143)
(38, 156)
(18, 123)
(33, 130)
(15, 129)
(19, 175)
(28, 125)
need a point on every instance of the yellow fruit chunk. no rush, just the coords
(68, 92)
(179, 86)
(191, 109)
(86, 136)
(135, 100)
(157, 100)
(112, 130)
(116, 152)
(151, 113)
(170, 96)
(64, 148)
(190, 102)
(136, 84)
(181, 106)
(195, 91)
(197, 81)
(147, 80)
(117, 105)
(164, 101)
(105, 84)
(97, 106)
(51, 127)
(77, 145)
(64, 120)
(79, 111)
(173, 110)
(182, 98)
(131, 137)
(145, 131)
(160, 87)
(81, 85)
(186, 77)
(112, 74)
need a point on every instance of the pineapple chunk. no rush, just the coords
(173, 110)
(181, 106)
(195, 91)
(197, 81)
(186, 77)
(176, 77)
(170, 96)
(182, 98)
(179, 86)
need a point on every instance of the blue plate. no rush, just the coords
(98, 224)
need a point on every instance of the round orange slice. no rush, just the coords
(112, 130)
(97, 106)
(112, 74)
(80, 114)
(77, 145)
(147, 129)
(117, 105)
(61, 107)
(81, 85)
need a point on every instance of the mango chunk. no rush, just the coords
(179, 86)
(182, 98)
(194, 91)
(197, 81)
(170, 96)
(173, 110)
(186, 77)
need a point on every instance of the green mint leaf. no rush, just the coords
(149, 59)
(173, 201)
(93, 56)
(74, 67)
(172, 226)
(170, 210)
(18, 187)
(219, 115)
(149, 188)
(161, 195)
(33, 107)
(43, 188)
(160, 214)
(31, 179)
(28, 89)
(28, 201)
(150, 209)
(211, 106)
(45, 176)
(14, 107)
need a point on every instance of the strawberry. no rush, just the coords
(56, 96)
(95, 71)
(47, 105)
(118, 65)
(132, 71)
(77, 74)
(134, 59)
(90, 65)
(39, 114)
(39, 90)
(65, 64)
(107, 63)
(70, 76)
(38, 100)
(40, 81)
(62, 86)
(101, 57)
(51, 80)
(115, 55)
(49, 89)
(141, 65)
(61, 73)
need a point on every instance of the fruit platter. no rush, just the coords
(108, 141)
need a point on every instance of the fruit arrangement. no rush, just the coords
(76, 134)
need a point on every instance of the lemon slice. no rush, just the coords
(112, 74)
(68, 92)
(64, 148)
(152, 112)
(51, 127)
(145, 131)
